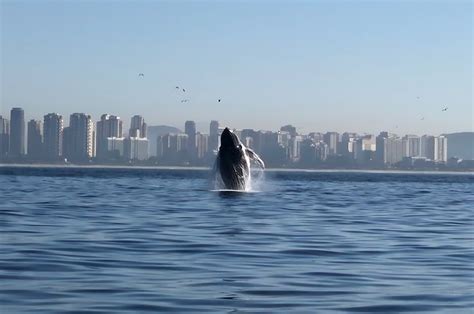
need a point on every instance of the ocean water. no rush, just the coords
(160, 240)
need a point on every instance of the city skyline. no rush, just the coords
(319, 66)
(104, 141)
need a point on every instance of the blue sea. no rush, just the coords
(134, 240)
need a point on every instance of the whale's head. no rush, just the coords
(231, 162)
(230, 141)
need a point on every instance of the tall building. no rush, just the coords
(332, 139)
(52, 136)
(135, 148)
(427, 147)
(4, 137)
(17, 132)
(348, 141)
(137, 127)
(313, 152)
(108, 126)
(214, 136)
(394, 150)
(389, 149)
(190, 130)
(411, 146)
(202, 144)
(78, 138)
(115, 147)
(440, 149)
(284, 138)
(170, 145)
(294, 148)
(35, 140)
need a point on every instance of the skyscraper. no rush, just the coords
(108, 126)
(78, 137)
(440, 149)
(4, 137)
(294, 148)
(137, 127)
(348, 141)
(214, 135)
(17, 132)
(35, 140)
(427, 147)
(202, 144)
(411, 146)
(53, 136)
(332, 139)
(115, 147)
(389, 149)
(135, 148)
(190, 130)
(170, 147)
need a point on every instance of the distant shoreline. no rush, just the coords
(183, 168)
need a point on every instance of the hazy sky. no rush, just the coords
(319, 65)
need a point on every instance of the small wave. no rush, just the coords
(234, 191)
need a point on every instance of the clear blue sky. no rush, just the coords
(319, 65)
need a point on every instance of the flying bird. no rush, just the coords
(218, 100)
(445, 109)
(184, 100)
(177, 87)
(184, 90)
(141, 74)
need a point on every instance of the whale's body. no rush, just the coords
(233, 162)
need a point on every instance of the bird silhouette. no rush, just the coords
(184, 100)
(184, 90)
(218, 100)
(445, 109)
(177, 87)
(141, 74)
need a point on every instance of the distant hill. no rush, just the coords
(461, 145)
(157, 130)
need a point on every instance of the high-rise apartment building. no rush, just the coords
(190, 130)
(427, 147)
(108, 126)
(78, 141)
(52, 136)
(4, 137)
(135, 148)
(332, 139)
(214, 136)
(17, 133)
(138, 127)
(202, 144)
(411, 146)
(389, 149)
(440, 149)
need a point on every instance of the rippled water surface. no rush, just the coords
(137, 240)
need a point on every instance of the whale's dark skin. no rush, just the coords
(233, 161)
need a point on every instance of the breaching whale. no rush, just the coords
(233, 161)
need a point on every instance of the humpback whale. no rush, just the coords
(233, 161)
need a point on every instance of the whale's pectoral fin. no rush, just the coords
(254, 157)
